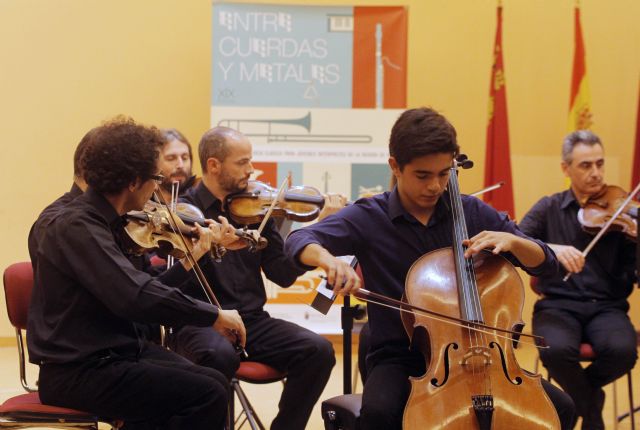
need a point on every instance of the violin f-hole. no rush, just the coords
(434, 381)
(517, 380)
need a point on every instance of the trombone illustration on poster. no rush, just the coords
(316, 90)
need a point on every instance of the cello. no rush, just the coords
(473, 380)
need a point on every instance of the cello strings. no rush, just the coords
(459, 225)
(458, 253)
(469, 265)
(469, 284)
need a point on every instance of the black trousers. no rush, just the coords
(158, 389)
(306, 357)
(605, 325)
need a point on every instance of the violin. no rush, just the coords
(158, 227)
(600, 208)
(153, 229)
(473, 380)
(299, 203)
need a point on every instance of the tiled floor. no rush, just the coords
(265, 397)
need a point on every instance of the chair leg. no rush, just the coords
(615, 405)
(247, 409)
(631, 403)
(231, 409)
(632, 410)
(356, 375)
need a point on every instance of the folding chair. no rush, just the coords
(254, 373)
(26, 410)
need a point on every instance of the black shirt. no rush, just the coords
(608, 270)
(387, 240)
(237, 280)
(175, 275)
(47, 215)
(87, 294)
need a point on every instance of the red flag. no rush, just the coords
(635, 173)
(580, 115)
(498, 158)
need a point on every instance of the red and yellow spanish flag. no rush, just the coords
(497, 155)
(580, 100)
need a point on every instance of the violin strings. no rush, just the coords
(188, 254)
(272, 206)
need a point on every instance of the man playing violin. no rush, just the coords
(88, 297)
(306, 357)
(169, 168)
(390, 231)
(591, 306)
(175, 163)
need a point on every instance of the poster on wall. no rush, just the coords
(316, 90)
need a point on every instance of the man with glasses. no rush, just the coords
(88, 297)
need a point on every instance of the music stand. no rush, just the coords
(348, 313)
(322, 303)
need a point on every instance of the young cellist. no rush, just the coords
(390, 231)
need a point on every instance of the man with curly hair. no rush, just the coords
(88, 297)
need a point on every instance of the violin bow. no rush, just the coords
(604, 229)
(487, 189)
(379, 299)
(200, 276)
(272, 206)
(175, 189)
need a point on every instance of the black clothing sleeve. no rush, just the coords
(88, 296)
(274, 262)
(534, 222)
(93, 257)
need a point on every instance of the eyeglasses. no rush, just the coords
(158, 178)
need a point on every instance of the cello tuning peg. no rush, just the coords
(466, 164)
(463, 161)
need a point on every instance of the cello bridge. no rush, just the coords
(476, 356)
